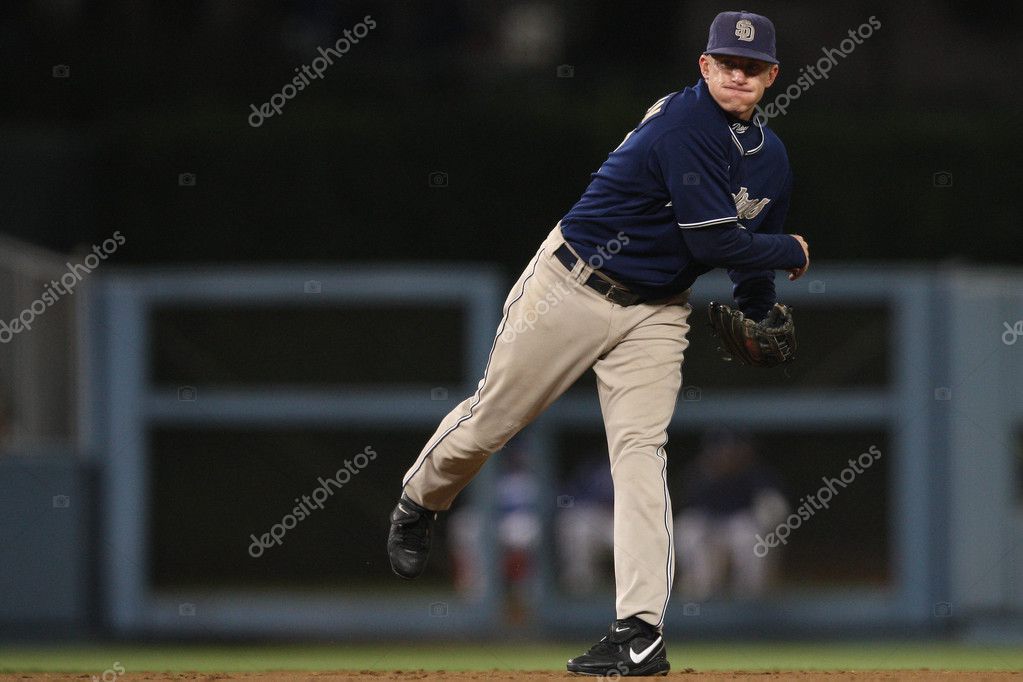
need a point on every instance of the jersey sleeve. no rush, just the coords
(779, 210)
(694, 168)
(731, 246)
(753, 290)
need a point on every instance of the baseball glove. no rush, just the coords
(760, 344)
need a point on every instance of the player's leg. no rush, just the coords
(638, 383)
(549, 335)
(552, 331)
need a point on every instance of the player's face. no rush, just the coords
(737, 83)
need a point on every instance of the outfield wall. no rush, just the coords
(211, 397)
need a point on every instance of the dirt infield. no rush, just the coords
(528, 676)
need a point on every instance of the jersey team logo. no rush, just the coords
(744, 30)
(746, 208)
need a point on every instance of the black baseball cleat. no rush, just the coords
(631, 648)
(408, 543)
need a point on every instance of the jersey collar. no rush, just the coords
(729, 120)
(735, 138)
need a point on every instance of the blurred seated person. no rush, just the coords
(729, 497)
(517, 527)
(584, 526)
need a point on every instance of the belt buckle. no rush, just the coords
(610, 293)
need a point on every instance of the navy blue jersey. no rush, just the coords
(691, 188)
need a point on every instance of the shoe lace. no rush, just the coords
(417, 533)
(604, 646)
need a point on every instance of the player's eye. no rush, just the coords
(749, 68)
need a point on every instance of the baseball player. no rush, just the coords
(700, 183)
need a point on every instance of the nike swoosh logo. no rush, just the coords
(621, 629)
(638, 658)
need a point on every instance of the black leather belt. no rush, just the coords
(616, 293)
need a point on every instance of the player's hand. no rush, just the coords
(796, 273)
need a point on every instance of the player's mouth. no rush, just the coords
(732, 87)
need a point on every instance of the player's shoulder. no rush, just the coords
(687, 113)
(771, 138)
(773, 145)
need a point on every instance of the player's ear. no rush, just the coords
(704, 66)
(772, 74)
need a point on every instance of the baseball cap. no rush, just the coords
(742, 34)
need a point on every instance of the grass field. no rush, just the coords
(93, 660)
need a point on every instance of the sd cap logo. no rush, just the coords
(744, 30)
